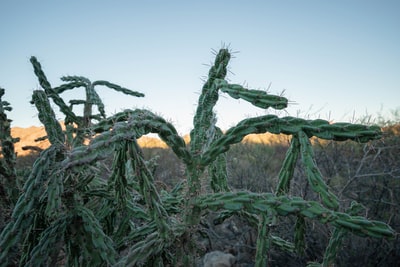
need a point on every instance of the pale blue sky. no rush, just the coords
(333, 59)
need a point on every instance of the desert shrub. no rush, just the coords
(255, 167)
(369, 174)
(166, 166)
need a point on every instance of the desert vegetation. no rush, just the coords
(325, 194)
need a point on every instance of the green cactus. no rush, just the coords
(50, 212)
(70, 205)
(8, 177)
(92, 98)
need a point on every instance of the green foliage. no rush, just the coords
(75, 209)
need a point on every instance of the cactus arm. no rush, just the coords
(149, 249)
(148, 190)
(143, 250)
(314, 175)
(119, 177)
(47, 117)
(47, 247)
(92, 98)
(37, 68)
(23, 216)
(204, 116)
(100, 248)
(203, 131)
(115, 129)
(263, 241)
(218, 174)
(218, 170)
(8, 172)
(257, 98)
(288, 166)
(337, 236)
(284, 206)
(153, 243)
(118, 88)
(290, 126)
(145, 122)
(54, 193)
(68, 86)
(108, 123)
(300, 234)
(70, 116)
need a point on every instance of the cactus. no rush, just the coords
(9, 190)
(119, 218)
(8, 183)
(50, 210)
(92, 98)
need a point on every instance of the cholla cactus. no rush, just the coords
(8, 183)
(70, 208)
(50, 211)
(75, 124)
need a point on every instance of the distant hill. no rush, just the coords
(29, 135)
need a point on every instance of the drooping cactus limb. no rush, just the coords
(288, 167)
(300, 235)
(284, 206)
(149, 191)
(257, 98)
(338, 234)
(217, 170)
(314, 175)
(263, 240)
(127, 125)
(291, 126)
